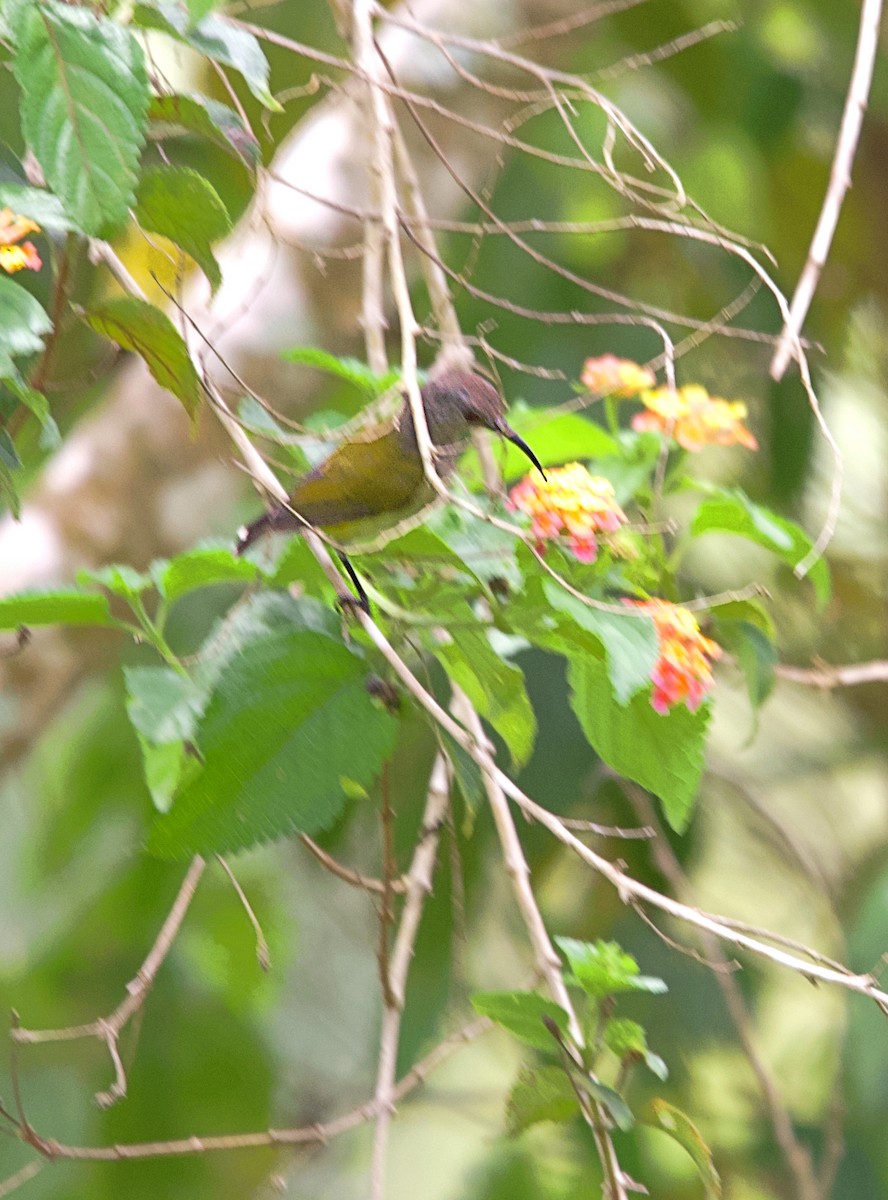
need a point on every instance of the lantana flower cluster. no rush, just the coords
(569, 501)
(683, 672)
(13, 227)
(694, 419)
(617, 377)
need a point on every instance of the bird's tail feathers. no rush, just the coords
(273, 521)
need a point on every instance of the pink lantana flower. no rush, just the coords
(571, 502)
(694, 419)
(683, 672)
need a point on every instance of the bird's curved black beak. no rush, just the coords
(510, 435)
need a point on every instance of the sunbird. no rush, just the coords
(372, 483)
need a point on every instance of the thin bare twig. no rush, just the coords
(839, 182)
(386, 909)
(28, 1171)
(315, 1134)
(810, 967)
(826, 676)
(419, 884)
(108, 1029)
(348, 874)
(547, 961)
(797, 1157)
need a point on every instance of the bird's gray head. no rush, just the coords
(460, 398)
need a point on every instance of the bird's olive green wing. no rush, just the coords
(360, 479)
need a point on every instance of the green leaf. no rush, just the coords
(23, 325)
(38, 204)
(299, 448)
(631, 645)
(467, 774)
(37, 403)
(522, 1013)
(58, 607)
(495, 687)
(627, 1040)
(671, 1120)
(733, 512)
(605, 969)
(193, 113)
(751, 611)
(163, 705)
(199, 8)
(294, 564)
(488, 552)
(421, 547)
(541, 1094)
(612, 1101)
(624, 1037)
(164, 764)
(8, 490)
(663, 753)
(118, 578)
(84, 109)
(201, 567)
(8, 453)
(756, 655)
(632, 466)
(277, 738)
(139, 326)
(351, 370)
(217, 39)
(180, 205)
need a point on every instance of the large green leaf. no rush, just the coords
(164, 763)
(488, 552)
(733, 512)
(8, 491)
(671, 1120)
(181, 205)
(288, 732)
(541, 1094)
(37, 403)
(84, 109)
(37, 203)
(605, 969)
(216, 38)
(524, 1014)
(163, 705)
(755, 652)
(663, 753)
(495, 687)
(58, 607)
(118, 578)
(628, 1041)
(201, 567)
(351, 370)
(23, 325)
(136, 325)
(630, 641)
(171, 115)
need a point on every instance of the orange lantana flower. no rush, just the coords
(13, 227)
(612, 376)
(683, 672)
(694, 418)
(570, 501)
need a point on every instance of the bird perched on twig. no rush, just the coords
(376, 480)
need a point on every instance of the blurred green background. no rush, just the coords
(792, 825)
